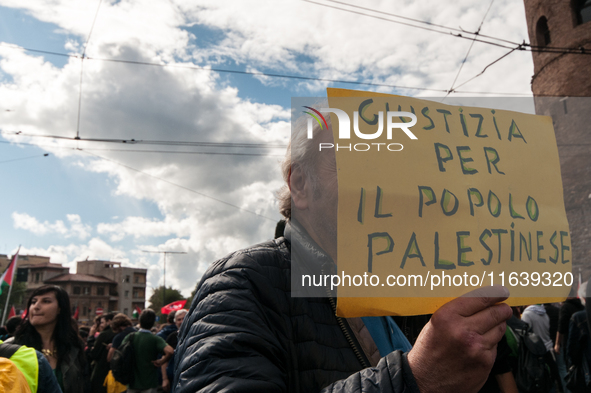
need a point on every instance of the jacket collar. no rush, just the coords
(307, 259)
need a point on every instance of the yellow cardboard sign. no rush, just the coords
(476, 199)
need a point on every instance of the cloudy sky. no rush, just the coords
(101, 200)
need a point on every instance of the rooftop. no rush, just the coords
(80, 278)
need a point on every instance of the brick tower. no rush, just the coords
(562, 86)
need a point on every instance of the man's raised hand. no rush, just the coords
(457, 348)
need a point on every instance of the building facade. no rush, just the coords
(22, 260)
(131, 282)
(90, 295)
(37, 274)
(562, 88)
(97, 287)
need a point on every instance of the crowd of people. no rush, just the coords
(73, 358)
(70, 358)
(247, 332)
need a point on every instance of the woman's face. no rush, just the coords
(43, 310)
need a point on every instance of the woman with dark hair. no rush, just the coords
(48, 328)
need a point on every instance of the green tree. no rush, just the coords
(170, 295)
(17, 296)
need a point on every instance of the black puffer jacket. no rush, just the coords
(246, 333)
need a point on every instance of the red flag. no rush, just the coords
(76, 313)
(174, 306)
(12, 313)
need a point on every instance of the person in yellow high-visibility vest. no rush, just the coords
(33, 365)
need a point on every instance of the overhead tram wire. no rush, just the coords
(202, 68)
(523, 46)
(268, 74)
(24, 158)
(458, 35)
(82, 69)
(179, 186)
(421, 21)
(485, 68)
(205, 153)
(451, 89)
(254, 73)
(152, 142)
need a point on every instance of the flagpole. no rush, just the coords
(10, 287)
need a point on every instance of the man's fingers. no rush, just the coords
(491, 338)
(489, 318)
(478, 300)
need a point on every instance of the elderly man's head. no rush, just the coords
(179, 317)
(311, 194)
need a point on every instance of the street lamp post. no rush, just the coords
(164, 270)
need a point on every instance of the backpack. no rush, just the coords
(532, 374)
(123, 361)
(11, 377)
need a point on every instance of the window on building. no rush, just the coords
(125, 311)
(135, 294)
(84, 311)
(37, 275)
(582, 9)
(542, 32)
(126, 294)
(126, 278)
(100, 291)
(76, 290)
(86, 290)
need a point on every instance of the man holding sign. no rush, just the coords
(251, 330)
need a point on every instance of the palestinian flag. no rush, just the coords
(8, 275)
(136, 313)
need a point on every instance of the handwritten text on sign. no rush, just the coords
(477, 194)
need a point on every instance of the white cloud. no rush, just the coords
(68, 255)
(346, 45)
(144, 227)
(122, 101)
(76, 227)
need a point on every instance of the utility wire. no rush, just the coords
(178, 185)
(203, 68)
(422, 21)
(13, 46)
(485, 68)
(151, 142)
(79, 98)
(523, 46)
(91, 28)
(24, 158)
(82, 69)
(189, 152)
(451, 89)
(458, 35)
(146, 151)
(256, 73)
(221, 70)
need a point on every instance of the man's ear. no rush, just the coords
(299, 185)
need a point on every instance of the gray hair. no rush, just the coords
(302, 154)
